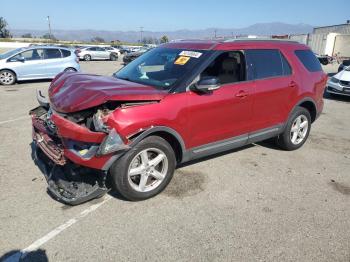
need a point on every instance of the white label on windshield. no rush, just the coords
(191, 54)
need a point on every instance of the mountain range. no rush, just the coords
(260, 29)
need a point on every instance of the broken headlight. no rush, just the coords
(99, 124)
(112, 143)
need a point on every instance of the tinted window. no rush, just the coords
(65, 53)
(309, 60)
(92, 49)
(52, 53)
(264, 64)
(100, 49)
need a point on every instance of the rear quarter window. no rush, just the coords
(309, 60)
(65, 53)
(266, 63)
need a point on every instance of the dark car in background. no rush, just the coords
(344, 64)
(133, 55)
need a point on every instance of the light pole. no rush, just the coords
(141, 31)
(48, 20)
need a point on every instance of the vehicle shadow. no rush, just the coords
(202, 159)
(17, 255)
(33, 81)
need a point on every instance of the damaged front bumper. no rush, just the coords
(66, 154)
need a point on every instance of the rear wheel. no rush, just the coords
(7, 77)
(113, 57)
(145, 170)
(70, 69)
(297, 130)
(87, 57)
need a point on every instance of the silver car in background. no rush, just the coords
(36, 62)
(97, 53)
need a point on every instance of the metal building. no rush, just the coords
(340, 29)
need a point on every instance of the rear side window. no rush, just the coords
(263, 63)
(309, 60)
(65, 53)
(52, 54)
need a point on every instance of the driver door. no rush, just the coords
(221, 117)
(31, 67)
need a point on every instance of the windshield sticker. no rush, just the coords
(182, 60)
(191, 54)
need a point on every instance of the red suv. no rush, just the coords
(178, 102)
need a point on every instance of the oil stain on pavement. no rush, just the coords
(185, 184)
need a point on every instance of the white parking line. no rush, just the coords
(41, 241)
(14, 119)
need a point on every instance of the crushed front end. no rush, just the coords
(67, 152)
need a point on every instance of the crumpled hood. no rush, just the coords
(72, 92)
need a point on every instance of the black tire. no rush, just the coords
(87, 57)
(70, 69)
(284, 140)
(113, 57)
(7, 77)
(119, 170)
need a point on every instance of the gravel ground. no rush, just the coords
(253, 204)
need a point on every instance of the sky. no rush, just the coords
(162, 15)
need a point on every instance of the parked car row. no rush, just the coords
(133, 55)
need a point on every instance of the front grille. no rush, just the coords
(345, 83)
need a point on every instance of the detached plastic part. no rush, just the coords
(71, 184)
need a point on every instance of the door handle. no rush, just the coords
(242, 94)
(292, 84)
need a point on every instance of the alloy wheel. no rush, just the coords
(299, 129)
(6, 78)
(147, 170)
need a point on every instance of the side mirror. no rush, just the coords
(18, 59)
(207, 83)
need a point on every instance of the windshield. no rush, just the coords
(10, 53)
(161, 67)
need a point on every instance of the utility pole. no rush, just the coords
(215, 30)
(48, 20)
(141, 31)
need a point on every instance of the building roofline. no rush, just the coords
(330, 26)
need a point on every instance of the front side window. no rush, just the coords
(91, 49)
(266, 63)
(30, 55)
(309, 60)
(162, 67)
(52, 53)
(228, 67)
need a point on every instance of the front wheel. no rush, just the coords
(296, 131)
(145, 170)
(7, 77)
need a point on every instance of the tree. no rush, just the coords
(164, 39)
(97, 39)
(4, 32)
(27, 35)
(48, 36)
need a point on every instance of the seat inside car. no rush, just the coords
(228, 72)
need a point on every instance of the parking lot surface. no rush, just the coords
(253, 204)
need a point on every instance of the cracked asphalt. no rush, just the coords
(257, 203)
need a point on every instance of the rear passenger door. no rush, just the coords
(274, 86)
(53, 62)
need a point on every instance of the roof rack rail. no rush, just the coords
(259, 39)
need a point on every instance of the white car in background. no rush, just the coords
(113, 50)
(339, 84)
(97, 53)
